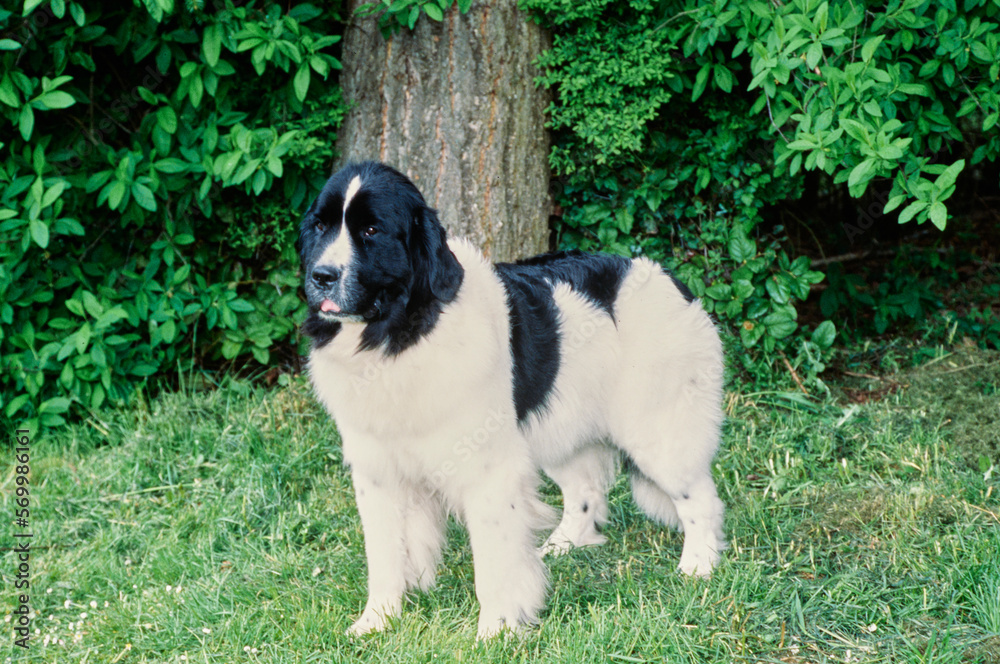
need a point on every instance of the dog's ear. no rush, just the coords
(435, 268)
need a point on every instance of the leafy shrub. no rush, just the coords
(396, 14)
(674, 154)
(937, 293)
(155, 159)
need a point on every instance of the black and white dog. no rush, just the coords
(452, 381)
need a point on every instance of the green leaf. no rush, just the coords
(196, 91)
(719, 292)
(938, 214)
(29, 6)
(824, 334)
(171, 165)
(55, 405)
(258, 182)
(301, 82)
(8, 93)
(82, 338)
(109, 318)
(116, 194)
(16, 404)
(78, 13)
(894, 203)
(230, 349)
(92, 304)
(74, 306)
(743, 288)
(778, 289)
(911, 210)
(182, 273)
(723, 78)
(262, 355)
(434, 11)
(868, 50)
(39, 232)
(26, 123)
(211, 45)
(98, 356)
(950, 174)
(55, 99)
(166, 117)
(144, 196)
(981, 52)
(861, 173)
(700, 81)
(9, 45)
(241, 306)
(741, 248)
(168, 330)
(780, 324)
(928, 69)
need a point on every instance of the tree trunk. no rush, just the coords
(454, 106)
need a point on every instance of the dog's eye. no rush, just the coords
(320, 227)
(371, 231)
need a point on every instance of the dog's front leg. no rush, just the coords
(380, 504)
(502, 515)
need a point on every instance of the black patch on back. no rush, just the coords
(534, 338)
(595, 276)
(534, 325)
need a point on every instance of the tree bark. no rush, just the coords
(454, 106)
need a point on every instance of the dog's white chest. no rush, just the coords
(424, 392)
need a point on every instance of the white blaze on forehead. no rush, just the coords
(340, 253)
(352, 189)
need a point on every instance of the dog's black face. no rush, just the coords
(374, 254)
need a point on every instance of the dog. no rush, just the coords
(452, 381)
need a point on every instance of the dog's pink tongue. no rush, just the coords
(328, 305)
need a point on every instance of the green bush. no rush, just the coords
(155, 160)
(396, 14)
(678, 121)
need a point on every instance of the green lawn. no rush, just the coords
(219, 526)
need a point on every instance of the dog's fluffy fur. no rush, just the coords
(452, 381)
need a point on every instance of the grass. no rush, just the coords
(219, 526)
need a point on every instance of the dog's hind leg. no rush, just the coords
(690, 504)
(584, 480)
(671, 445)
(653, 500)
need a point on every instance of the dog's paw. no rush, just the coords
(700, 566)
(493, 628)
(555, 547)
(370, 621)
(558, 544)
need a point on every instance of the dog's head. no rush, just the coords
(374, 253)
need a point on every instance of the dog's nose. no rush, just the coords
(325, 276)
